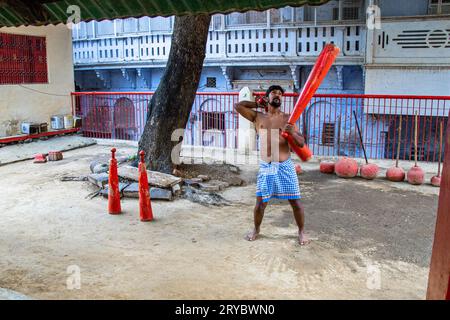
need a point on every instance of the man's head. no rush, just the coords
(274, 94)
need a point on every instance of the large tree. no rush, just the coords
(171, 104)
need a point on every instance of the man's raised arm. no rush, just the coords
(247, 109)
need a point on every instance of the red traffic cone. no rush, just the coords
(145, 206)
(113, 190)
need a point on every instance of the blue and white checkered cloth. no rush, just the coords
(277, 180)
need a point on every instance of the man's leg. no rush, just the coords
(299, 215)
(258, 215)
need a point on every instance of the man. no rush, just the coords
(277, 177)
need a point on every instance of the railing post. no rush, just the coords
(439, 278)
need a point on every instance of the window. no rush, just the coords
(213, 120)
(348, 13)
(217, 22)
(328, 134)
(275, 16)
(439, 7)
(351, 13)
(249, 17)
(286, 14)
(211, 82)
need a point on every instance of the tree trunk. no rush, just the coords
(171, 104)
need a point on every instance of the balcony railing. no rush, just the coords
(328, 123)
(247, 43)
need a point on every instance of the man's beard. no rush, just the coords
(276, 103)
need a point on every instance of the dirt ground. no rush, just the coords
(371, 240)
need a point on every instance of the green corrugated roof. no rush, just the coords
(42, 12)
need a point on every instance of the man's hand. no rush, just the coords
(292, 131)
(262, 102)
(289, 128)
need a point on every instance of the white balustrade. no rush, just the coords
(241, 43)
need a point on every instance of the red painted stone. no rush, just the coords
(415, 176)
(395, 174)
(346, 168)
(327, 166)
(436, 181)
(40, 158)
(369, 171)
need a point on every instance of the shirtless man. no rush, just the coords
(277, 177)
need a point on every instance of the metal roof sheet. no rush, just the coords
(15, 13)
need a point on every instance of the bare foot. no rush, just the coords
(252, 236)
(303, 239)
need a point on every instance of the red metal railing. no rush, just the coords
(328, 123)
(122, 115)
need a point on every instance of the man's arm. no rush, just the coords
(293, 131)
(246, 109)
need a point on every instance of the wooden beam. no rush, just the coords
(439, 277)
